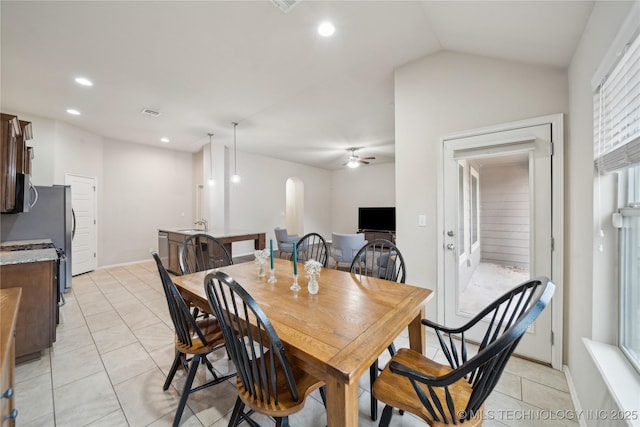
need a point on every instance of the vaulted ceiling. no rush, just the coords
(296, 95)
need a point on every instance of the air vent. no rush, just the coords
(285, 5)
(150, 112)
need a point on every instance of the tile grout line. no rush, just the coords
(104, 368)
(137, 340)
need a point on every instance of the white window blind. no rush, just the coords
(616, 104)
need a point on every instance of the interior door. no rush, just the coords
(497, 193)
(84, 238)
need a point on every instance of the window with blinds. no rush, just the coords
(616, 143)
(616, 104)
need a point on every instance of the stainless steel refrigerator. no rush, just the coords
(50, 218)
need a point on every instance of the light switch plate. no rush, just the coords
(422, 220)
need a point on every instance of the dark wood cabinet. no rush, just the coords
(36, 323)
(9, 304)
(8, 149)
(175, 241)
(373, 235)
(15, 163)
(23, 153)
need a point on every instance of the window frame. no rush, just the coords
(629, 187)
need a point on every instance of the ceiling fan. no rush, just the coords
(355, 160)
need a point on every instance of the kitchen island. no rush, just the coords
(175, 237)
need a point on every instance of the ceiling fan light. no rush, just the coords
(326, 29)
(353, 164)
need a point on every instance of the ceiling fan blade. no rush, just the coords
(364, 162)
(368, 158)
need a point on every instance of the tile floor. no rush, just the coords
(115, 345)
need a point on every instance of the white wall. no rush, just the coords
(445, 93)
(143, 188)
(589, 300)
(140, 187)
(258, 201)
(372, 185)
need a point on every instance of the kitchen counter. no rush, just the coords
(218, 233)
(175, 237)
(33, 266)
(8, 254)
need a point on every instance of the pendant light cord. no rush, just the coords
(210, 158)
(235, 150)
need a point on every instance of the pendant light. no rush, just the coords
(235, 178)
(211, 181)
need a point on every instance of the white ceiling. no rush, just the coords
(296, 96)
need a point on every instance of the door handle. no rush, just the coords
(451, 246)
(32, 188)
(73, 227)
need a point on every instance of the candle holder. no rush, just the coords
(295, 287)
(272, 277)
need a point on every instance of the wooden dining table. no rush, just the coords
(334, 335)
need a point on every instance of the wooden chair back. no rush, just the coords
(508, 319)
(382, 259)
(256, 351)
(201, 252)
(183, 321)
(313, 246)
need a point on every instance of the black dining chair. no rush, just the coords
(455, 394)
(313, 246)
(267, 382)
(195, 338)
(382, 259)
(201, 252)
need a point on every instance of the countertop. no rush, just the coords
(25, 256)
(215, 232)
(24, 242)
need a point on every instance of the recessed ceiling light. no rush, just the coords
(84, 81)
(326, 29)
(73, 112)
(165, 140)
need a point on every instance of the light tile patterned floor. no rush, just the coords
(115, 345)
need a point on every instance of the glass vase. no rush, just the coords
(262, 269)
(312, 286)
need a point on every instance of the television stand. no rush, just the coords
(371, 235)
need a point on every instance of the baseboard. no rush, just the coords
(574, 396)
(124, 263)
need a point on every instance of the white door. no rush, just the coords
(84, 240)
(497, 218)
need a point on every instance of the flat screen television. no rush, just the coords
(377, 219)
